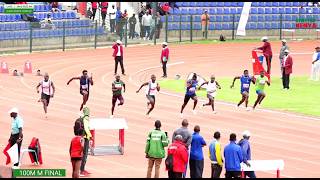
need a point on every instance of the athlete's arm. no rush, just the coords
(124, 87)
(53, 88)
(218, 85)
(158, 87)
(202, 84)
(234, 79)
(144, 84)
(72, 79)
(268, 82)
(38, 87)
(91, 81)
(253, 80)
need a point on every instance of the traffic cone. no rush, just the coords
(4, 67)
(27, 67)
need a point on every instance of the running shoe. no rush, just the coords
(181, 115)
(194, 112)
(214, 112)
(87, 172)
(111, 116)
(247, 109)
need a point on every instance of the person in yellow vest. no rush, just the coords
(205, 18)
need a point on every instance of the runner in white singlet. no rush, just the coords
(212, 86)
(47, 92)
(151, 90)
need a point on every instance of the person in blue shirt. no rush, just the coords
(246, 152)
(233, 157)
(118, 20)
(190, 93)
(245, 80)
(16, 131)
(196, 161)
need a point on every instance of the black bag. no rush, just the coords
(222, 38)
(169, 162)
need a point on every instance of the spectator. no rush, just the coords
(146, 23)
(132, 25)
(205, 19)
(47, 23)
(286, 69)
(215, 156)
(267, 52)
(141, 13)
(76, 153)
(179, 153)
(118, 56)
(315, 70)
(186, 136)
(112, 15)
(164, 58)
(152, 28)
(29, 17)
(38, 73)
(104, 7)
(233, 158)
(16, 131)
(158, 25)
(184, 132)
(246, 152)
(87, 137)
(94, 6)
(281, 55)
(118, 20)
(196, 154)
(89, 14)
(154, 150)
(55, 7)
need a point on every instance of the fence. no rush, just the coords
(169, 28)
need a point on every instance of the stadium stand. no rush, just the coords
(12, 26)
(221, 14)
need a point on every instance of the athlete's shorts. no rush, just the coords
(244, 90)
(83, 90)
(116, 97)
(46, 97)
(151, 98)
(211, 96)
(187, 97)
(259, 92)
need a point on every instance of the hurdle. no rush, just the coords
(263, 165)
(107, 124)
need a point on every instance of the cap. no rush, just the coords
(246, 133)
(165, 43)
(317, 47)
(287, 51)
(283, 40)
(264, 38)
(13, 110)
(205, 10)
(118, 42)
(178, 137)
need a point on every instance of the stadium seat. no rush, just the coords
(220, 4)
(288, 4)
(2, 27)
(176, 18)
(219, 10)
(268, 11)
(227, 19)
(287, 17)
(281, 10)
(287, 26)
(234, 4)
(212, 11)
(219, 18)
(253, 10)
(260, 18)
(36, 8)
(295, 10)
(184, 11)
(275, 17)
(294, 17)
(197, 26)
(211, 27)
(275, 4)
(239, 10)
(186, 4)
(275, 25)
(212, 4)
(170, 18)
(18, 17)
(240, 4)
(268, 4)
(193, 4)
(192, 11)
(183, 18)
(225, 26)
(282, 4)
(288, 10)
(199, 11)
(41, 8)
(226, 10)
(261, 4)
(255, 4)
(296, 4)
(268, 25)
(227, 4)
(197, 18)
(275, 10)
(260, 10)
(268, 18)
(1, 9)
(218, 26)
(260, 25)
(233, 10)
(253, 18)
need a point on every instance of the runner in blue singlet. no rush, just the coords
(85, 82)
(245, 80)
(190, 93)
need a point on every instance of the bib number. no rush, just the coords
(245, 85)
(262, 81)
(193, 89)
(84, 86)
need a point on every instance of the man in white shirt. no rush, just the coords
(112, 14)
(315, 70)
(146, 23)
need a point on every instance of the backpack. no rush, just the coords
(169, 162)
(78, 127)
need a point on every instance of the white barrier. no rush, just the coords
(263, 165)
(107, 124)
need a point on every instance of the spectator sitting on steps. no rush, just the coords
(47, 23)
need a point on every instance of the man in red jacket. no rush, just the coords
(104, 7)
(286, 69)
(267, 52)
(164, 58)
(179, 153)
(118, 56)
(94, 6)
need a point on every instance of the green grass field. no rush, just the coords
(303, 96)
